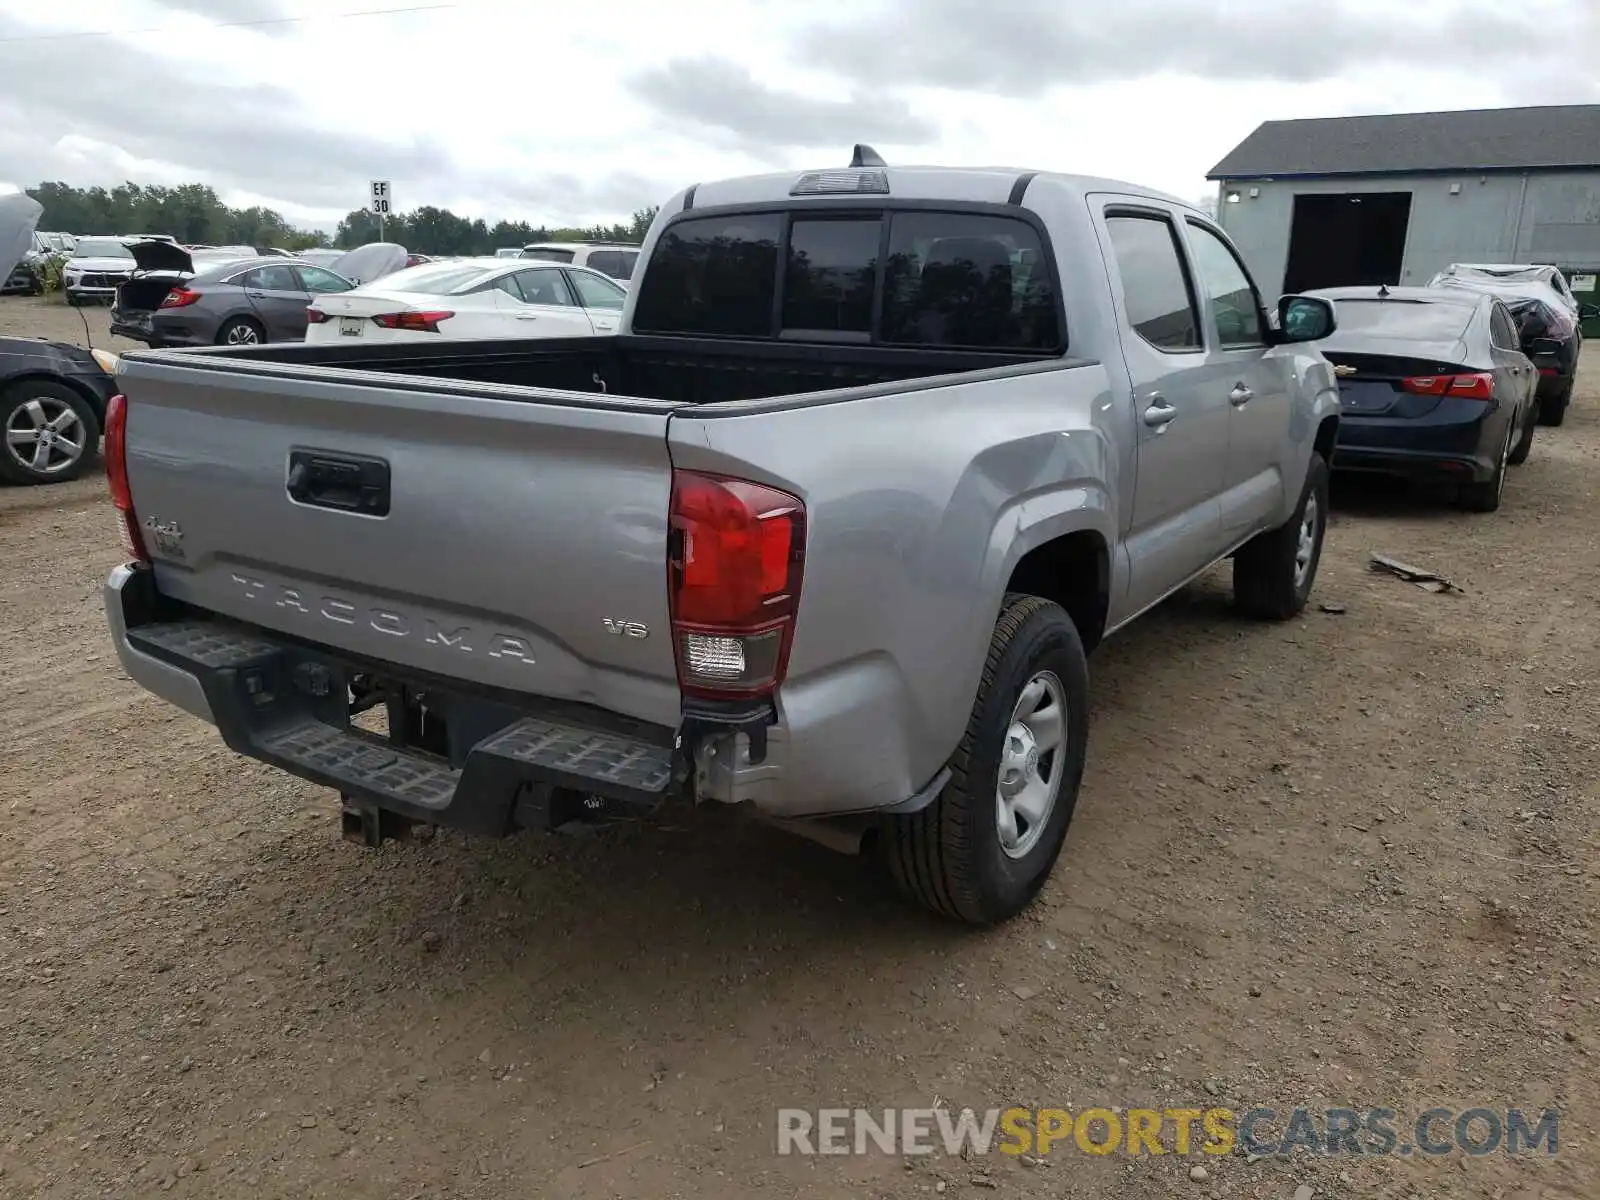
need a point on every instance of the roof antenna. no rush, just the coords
(866, 156)
(1383, 291)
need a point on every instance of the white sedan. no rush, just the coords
(468, 299)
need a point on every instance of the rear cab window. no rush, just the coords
(886, 277)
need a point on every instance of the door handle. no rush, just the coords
(256, 295)
(527, 316)
(1240, 395)
(1160, 413)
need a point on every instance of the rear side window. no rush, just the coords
(629, 259)
(1155, 286)
(608, 262)
(271, 279)
(949, 280)
(1502, 331)
(712, 275)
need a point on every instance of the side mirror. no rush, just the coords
(1544, 346)
(1305, 319)
(1589, 312)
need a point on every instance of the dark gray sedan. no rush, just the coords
(237, 303)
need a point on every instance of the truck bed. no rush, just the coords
(676, 371)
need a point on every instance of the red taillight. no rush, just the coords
(734, 566)
(1465, 387)
(1549, 370)
(417, 322)
(315, 316)
(116, 455)
(180, 298)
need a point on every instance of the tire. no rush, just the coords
(1485, 497)
(1554, 410)
(950, 857)
(1273, 573)
(241, 331)
(74, 300)
(1524, 447)
(67, 417)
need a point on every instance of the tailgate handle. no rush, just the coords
(343, 482)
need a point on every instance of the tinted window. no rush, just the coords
(967, 280)
(1232, 300)
(318, 280)
(608, 261)
(548, 286)
(270, 279)
(595, 292)
(549, 254)
(1503, 333)
(712, 275)
(830, 275)
(1154, 287)
(629, 259)
(1402, 319)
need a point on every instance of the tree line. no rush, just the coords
(194, 215)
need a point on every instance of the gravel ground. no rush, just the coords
(1349, 860)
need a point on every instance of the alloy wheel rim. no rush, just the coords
(1306, 547)
(1031, 761)
(242, 335)
(44, 435)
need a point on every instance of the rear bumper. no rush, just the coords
(287, 704)
(283, 701)
(1457, 442)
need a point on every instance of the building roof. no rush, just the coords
(1484, 139)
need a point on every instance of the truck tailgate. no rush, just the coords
(509, 538)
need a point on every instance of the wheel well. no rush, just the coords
(1327, 435)
(1074, 571)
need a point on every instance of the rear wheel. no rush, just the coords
(1554, 410)
(50, 432)
(241, 331)
(983, 849)
(1485, 496)
(1274, 571)
(1519, 452)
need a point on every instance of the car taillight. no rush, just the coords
(116, 455)
(180, 298)
(417, 322)
(1465, 387)
(735, 554)
(315, 316)
(1549, 370)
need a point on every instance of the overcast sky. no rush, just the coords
(501, 108)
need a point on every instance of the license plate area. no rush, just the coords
(352, 326)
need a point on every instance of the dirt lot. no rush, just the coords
(1350, 860)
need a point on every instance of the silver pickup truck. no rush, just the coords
(880, 455)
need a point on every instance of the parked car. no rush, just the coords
(827, 541)
(1433, 385)
(321, 256)
(508, 252)
(1546, 312)
(240, 302)
(28, 275)
(53, 396)
(472, 298)
(610, 258)
(96, 269)
(1512, 273)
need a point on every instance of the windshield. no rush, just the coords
(102, 248)
(1417, 320)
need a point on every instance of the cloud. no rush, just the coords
(238, 12)
(1023, 48)
(717, 94)
(195, 123)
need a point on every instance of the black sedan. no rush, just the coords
(53, 400)
(1553, 339)
(1433, 385)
